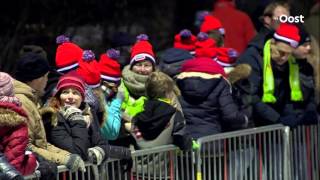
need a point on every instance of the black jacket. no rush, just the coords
(75, 137)
(267, 113)
(207, 104)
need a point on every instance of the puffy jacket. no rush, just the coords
(14, 138)
(37, 135)
(207, 103)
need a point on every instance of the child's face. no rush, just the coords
(109, 88)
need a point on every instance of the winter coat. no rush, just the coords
(37, 135)
(110, 127)
(207, 103)
(7, 171)
(75, 136)
(14, 138)
(238, 25)
(267, 113)
(259, 40)
(159, 125)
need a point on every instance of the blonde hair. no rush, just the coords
(314, 60)
(268, 11)
(160, 85)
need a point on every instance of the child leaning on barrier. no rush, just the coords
(161, 120)
(76, 127)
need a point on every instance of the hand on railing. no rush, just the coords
(75, 163)
(96, 155)
(290, 120)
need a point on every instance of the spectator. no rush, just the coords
(274, 74)
(161, 122)
(7, 171)
(312, 22)
(112, 99)
(270, 21)
(238, 25)
(76, 128)
(185, 40)
(213, 27)
(134, 76)
(31, 78)
(206, 100)
(13, 129)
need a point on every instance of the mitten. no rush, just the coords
(75, 162)
(73, 114)
(96, 155)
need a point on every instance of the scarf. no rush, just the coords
(154, 119)
(268, 79)
(134, 82)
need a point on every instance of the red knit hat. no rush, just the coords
(68, 54)
(287, 33)
(88, 69)
(203, 64)
(71, 80)
(226, 57)
(109, 67)
(185, 40)
(211, 23)
(205, 46)
(142, 50)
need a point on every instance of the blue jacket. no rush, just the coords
(111, 126)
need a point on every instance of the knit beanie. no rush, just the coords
(6, 84)
(68, 54)
(211, 23)
(31, 66)
(142, 50)
(205, 46)
(70, 80)
(287, 33)
(185, 40)
(89, 69)
(203, 64)
(109, 67)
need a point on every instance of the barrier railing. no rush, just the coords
(258, 154)
(305, 150)
(269, 152)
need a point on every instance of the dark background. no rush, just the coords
(91, 23)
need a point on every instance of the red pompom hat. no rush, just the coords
(185, 40)
(71, 80)
(68, 55)
(88, 69)
(203, 64)
(288, 33)
(109, 67)
(205, 46)
(211, 23)
(226, 57)
(142, 50)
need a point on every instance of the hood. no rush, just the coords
(196, 87)
(240, 72)
(24, 89)
(259, 40)
(11, 115)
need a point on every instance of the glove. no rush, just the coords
(195, 145)
(122, 153)
(310, 117)
(75, 162)
(96, 155)
(290, 120)
(120, 96)
(73, 114)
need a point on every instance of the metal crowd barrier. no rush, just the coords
(305, 152)
(257, 154)
(263, 153)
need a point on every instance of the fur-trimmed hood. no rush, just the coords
(11, 115)
(240, 72)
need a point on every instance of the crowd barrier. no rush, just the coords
(270, 152)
